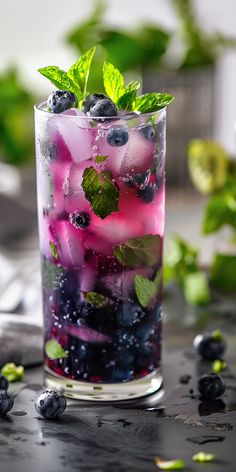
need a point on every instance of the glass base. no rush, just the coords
(104, 392)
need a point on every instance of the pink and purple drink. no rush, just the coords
(101, 197)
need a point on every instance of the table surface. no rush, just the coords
(127, 437)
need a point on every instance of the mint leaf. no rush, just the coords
(176, 464)
(60, 78)
(146, 290)
(218, 365)
(196, 288)
(54, 350)
(53, 250)
(223, 272)
(52, 275)
(113, 82)
(139, 252)
(100, 191)
(12, 372)
(203, 457)
(134, 85)
(125, 102)
(100, 159)
(96, 299)
(220, 210)
(79, 72)
(152, 102)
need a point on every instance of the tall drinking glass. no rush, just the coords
(101, 197)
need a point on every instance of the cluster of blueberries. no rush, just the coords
(6, 401)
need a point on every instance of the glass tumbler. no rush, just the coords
(101, 207)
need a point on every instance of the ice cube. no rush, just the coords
(87, 334)
(69, 243)
(140, 154)
(76, 136)
(116, 154)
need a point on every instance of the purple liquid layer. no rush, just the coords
(121, 339)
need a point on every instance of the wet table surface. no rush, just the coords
(127, 437)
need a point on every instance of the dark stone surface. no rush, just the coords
(125, 437)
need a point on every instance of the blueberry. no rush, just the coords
(50, 404)
(129, 314)
(118, 136)
(147, 131)
(209, 347)
(91, 100)
(6, 402)
(80, 220)
(211, 386)
(4, 384)
(147, 193)
(121, 375)
(61, 100)
(103, 108)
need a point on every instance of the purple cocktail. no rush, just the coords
(101, 195)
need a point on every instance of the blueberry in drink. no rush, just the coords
(101, 223)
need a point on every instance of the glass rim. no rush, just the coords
(128, 114)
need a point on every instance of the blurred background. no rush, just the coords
(185, 47)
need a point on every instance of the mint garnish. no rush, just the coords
(76, 79)
(79, 72)
(218, 365)
(100, 191)
(151, 102)
(96, 299)
(53, 250)
(60, 78)
(146, 290)
(176, 464)
(54, 350)
(12, 372)
(139, 252)
(203, 457)
(100, 159)
(196, 288)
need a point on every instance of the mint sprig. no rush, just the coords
(124, 96)
(100, 191)
(75, 79)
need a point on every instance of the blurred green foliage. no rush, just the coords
(16, 120)
(182, 260)
(148, 44)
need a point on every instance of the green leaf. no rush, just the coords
(221, 210)
(125, 102)
(218, 365)
(146, 290)
(152, 102)
(113, 82)
(53, 275)
(96, 299)
(217, 335)
(176, 464)
(54, 350)
(139, 252)
(196, 288)
(134, 85)
(12, 372)
(100, 191)
(53, 250)
(79, 72)
(60, 79)
(223, 272)
(100, 159)
(203, 457)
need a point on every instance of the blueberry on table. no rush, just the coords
(4, 384)
(91, 100)
(209, 347)
(147, 193)
(211, 386)
(118, 136)
(80, 220)
(147, 131)
(6, 402)
(50, 404)
(103, 108)
(61, 100)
